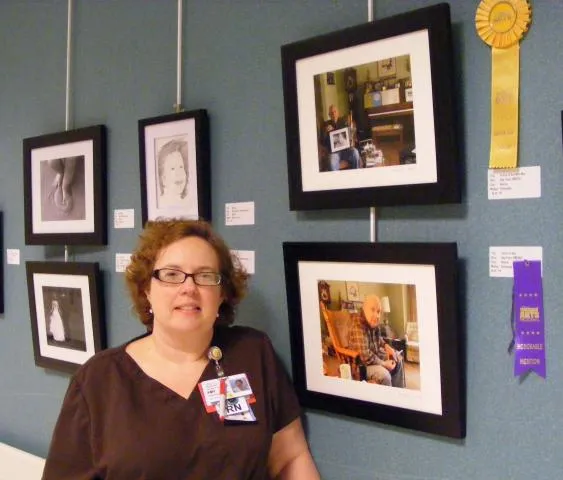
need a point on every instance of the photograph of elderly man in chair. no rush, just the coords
(370, 332)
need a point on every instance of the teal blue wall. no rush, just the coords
(124, 69)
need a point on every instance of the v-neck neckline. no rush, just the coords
(153, 382)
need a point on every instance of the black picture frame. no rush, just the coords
(67, 313)
(419, 281)
(414, 100)
(2, 262)
(185, 134)
(65, 187)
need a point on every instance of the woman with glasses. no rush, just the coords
(160, 405)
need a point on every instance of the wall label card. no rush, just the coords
(124, 218)
(121, 261)
(246, 258)
(513, 183)
(502, 258)
(13, 256)
(241, 213)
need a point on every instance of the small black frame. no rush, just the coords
(66, 312)
(65, 187)
(174, 147)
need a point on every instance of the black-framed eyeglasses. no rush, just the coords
(171, 275)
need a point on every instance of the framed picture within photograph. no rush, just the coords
(388, 345)
(393, 89)
(387, 67)
(352, 291)
(339, 139)
(175, 166)
(66, 309)
(65, 187)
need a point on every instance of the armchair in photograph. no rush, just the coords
(338, 324)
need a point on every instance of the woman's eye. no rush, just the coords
(172, 275)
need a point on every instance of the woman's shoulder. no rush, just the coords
(103, 363)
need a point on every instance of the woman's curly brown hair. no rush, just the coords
(159, 234)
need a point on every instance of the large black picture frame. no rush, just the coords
(182, 137)
(65, 187)
(414, 100)
(419, 281)
(2, 263)
(67, 313)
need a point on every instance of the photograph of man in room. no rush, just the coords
(372, 335)
(374, 102)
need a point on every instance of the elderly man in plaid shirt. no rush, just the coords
(384, 364)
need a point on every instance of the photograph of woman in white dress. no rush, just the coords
(56, 326)
(64, 317)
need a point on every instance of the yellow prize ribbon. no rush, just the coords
(502, 24)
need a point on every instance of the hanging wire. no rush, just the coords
(178, 105)
(372, 213)
(68, 56)
(67, 92)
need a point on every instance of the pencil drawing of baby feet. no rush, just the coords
(61, 191)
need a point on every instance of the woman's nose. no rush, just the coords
(189, 285)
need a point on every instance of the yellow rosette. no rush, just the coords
(502, 24)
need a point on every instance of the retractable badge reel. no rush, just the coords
(215, 354)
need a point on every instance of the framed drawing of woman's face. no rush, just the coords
(175, 166)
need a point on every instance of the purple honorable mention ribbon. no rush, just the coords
(528, 318)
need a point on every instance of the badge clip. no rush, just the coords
(215, 354)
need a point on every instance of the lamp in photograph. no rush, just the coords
(386, 308)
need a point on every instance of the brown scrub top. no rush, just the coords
(118, 423)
